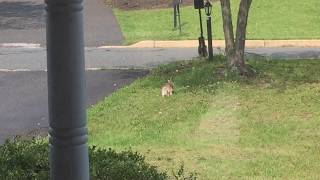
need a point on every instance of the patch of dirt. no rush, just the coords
(144, 4)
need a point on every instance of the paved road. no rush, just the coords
(23, 107)
(35, 59)
(23, 21)
(117, 58)
(285, 53)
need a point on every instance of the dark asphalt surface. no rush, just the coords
(24, 104)
(23, 21)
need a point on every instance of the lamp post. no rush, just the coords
(208, 11)
(202, 48)
(66, 91)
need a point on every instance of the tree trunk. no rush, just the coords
(228, 31)
(235, 46)
(241, 31)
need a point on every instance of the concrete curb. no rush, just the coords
(221, 44)
(194, 44)
(19, 45)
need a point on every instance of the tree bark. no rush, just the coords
(235, 46)
(228, 31)
(241, 31)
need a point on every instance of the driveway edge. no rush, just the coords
(221, 44)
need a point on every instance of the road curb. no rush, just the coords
(19, 45)
(194, 44)
(221, 44)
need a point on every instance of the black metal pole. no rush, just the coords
(66, 91)
(202, 48)
(179, 18)
(210, 48)
(201, 28)
(174, 16)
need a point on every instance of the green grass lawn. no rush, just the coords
(218, 125)
(269, 19)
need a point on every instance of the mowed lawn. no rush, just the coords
(269, 19)
(218, 125)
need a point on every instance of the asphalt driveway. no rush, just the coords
(24, 21)
(24, 104)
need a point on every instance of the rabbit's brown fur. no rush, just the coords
(167, 89)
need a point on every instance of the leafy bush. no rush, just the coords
(29, 160)
(108, 164)
(24, 160)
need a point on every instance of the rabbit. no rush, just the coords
(167, 89)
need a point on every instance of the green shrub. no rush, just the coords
(24, 160)
(108, 164)
(29, 160)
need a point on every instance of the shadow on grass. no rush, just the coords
(201, 74)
